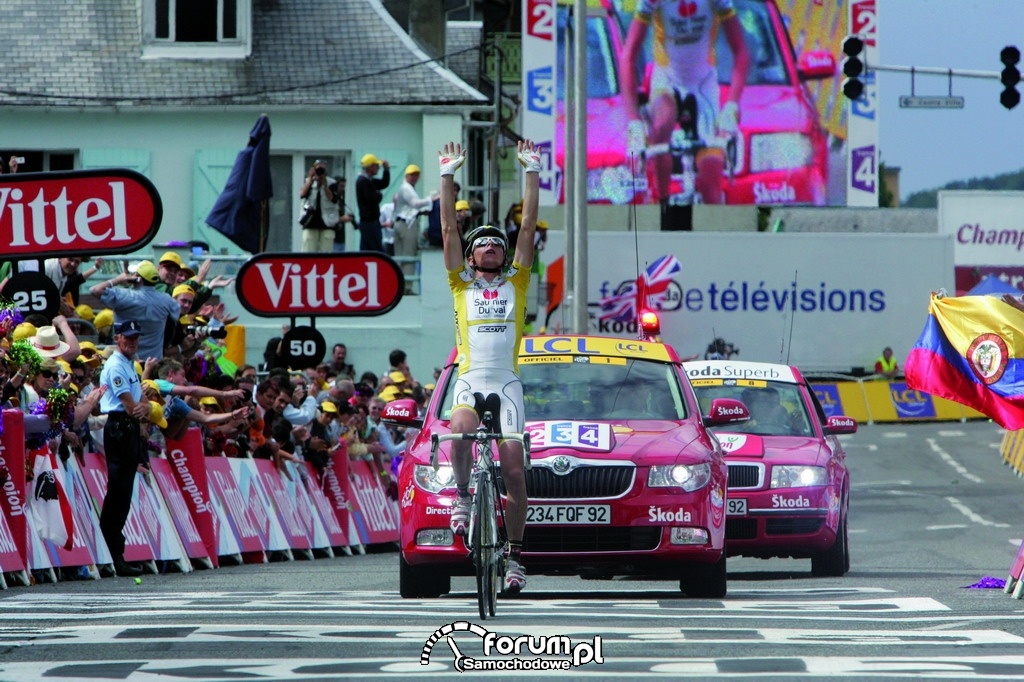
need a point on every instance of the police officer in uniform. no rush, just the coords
(122, 439)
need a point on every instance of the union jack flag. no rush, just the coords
(648, 291)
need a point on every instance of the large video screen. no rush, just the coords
(790, 144)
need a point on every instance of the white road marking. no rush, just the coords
(951, 526)
(948, 459)
(894, 434)
(970, 514)
(951, 434)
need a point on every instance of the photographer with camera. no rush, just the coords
(319, 210)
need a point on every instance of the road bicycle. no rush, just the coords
(485, 538)
(684, 145)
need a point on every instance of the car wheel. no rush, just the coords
(835, 561)
(421, 583)
(706, 581)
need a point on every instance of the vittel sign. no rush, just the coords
(339, 284)
(104, 211)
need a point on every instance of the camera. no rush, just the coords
(319, 166)
(206, 331)
(20, 160)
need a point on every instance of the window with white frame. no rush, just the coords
(200, 29)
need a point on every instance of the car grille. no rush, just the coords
(591, 539)
(797, 526)
(580, 483)
(746, 529)
(740, 529)
(745, 476)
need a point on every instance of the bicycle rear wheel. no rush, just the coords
(485, 545)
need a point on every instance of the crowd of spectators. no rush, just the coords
(50, 368)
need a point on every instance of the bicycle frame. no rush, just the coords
(483, 538)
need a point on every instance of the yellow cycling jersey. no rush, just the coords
(684, 36)
(489, 318)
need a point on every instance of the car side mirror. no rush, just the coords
(816, 65)
(402, 412)
(726, 411)
(840, 424)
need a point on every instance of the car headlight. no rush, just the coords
(798, 476)
(434, 481)
(613, 184)
(779, 151)
(689, 477)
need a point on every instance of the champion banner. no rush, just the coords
(972, 352)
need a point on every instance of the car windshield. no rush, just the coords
(602, 81)
(591, 390)
(776, 408)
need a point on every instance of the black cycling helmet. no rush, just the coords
(484, 231)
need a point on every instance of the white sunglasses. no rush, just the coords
(488, 241)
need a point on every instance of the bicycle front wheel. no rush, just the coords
(484, 539)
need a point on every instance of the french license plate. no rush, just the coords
(736, 507)
(569, 514)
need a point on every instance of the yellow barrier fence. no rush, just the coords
(871, 400)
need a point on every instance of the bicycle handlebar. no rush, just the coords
(479, 437)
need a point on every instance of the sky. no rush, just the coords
(934, 147)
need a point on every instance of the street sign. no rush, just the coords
(931, 102)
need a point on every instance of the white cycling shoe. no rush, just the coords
(515, 576)
(459, 522)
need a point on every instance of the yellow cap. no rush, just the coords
(412, 168)
(209, 400)
(84, 311)
(138, 368)
(369, 160)
(92, 362)
(171, 257)
(151, 385)
(542, 224)
(156, 414)
(104, 318)
(328, 406)
(64, 366)
(23, 331)
(397, 377)
(428, 387)
(462, 205)
(87, 346)
(147, 271)
(390, 393)
(182, 289)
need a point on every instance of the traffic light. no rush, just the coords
(853, 67)
(1010, 57)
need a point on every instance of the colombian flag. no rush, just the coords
(972, 352)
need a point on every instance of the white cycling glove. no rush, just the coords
(450, 162)
(530, 158)
(636, 138)
(729, 119)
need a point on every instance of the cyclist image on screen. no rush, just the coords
(490, 309)
(684, 78)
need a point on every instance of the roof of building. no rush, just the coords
(90, 53)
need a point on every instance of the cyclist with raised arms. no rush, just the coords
(490, 311)
(684, 63)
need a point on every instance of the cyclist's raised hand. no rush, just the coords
(528, 156)
(636, 138)
(451, 158)
(729, 119)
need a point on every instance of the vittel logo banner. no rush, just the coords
(338, 284)
(104, 211)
